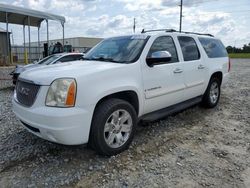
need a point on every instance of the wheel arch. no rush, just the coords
(130, 96)
(217, 74)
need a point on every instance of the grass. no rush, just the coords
(239, 55)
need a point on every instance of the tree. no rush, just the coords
(244, 49)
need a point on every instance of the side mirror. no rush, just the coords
(158, 57)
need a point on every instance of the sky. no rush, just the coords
(228, 20)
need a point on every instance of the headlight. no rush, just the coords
(62, 93)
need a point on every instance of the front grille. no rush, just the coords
(26, 93)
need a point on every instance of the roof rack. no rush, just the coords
(173, 30)
(207, 34)
(166, 30)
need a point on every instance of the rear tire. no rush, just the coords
(113, 126)
(212, 94)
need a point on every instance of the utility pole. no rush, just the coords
(134, 26)
(181, 15)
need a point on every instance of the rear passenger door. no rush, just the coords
(194, 68)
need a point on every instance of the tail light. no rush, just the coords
(229, 64)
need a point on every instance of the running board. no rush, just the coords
(159, 114)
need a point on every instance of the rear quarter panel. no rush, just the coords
(214, 64)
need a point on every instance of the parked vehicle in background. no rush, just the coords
(123, 80)
(59, 48)
(50, 60)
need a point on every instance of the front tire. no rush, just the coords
(212, 94)
(113, 127)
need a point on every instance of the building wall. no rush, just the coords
(75, 42)
(79, 44)
(34, 54)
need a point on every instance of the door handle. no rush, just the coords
(201, 66)
(178, 70)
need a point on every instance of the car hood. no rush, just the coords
(45, 75)
(21, 69)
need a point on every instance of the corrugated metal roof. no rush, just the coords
(18, 15)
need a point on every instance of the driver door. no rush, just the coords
(164, 82)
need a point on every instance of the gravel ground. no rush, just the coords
(194, 148)
(5, 78)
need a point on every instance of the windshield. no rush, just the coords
(49, 59)
(125, 49)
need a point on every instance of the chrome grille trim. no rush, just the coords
(26, 92)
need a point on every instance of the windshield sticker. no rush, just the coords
(139, 37)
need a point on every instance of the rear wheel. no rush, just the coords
(113, 127)
(212, 94)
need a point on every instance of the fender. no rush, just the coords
(114, 90)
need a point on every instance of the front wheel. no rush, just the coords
(113, 127)
(212, 94)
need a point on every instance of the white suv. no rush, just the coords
(122, 80)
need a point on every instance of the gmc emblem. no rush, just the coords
(23, 90)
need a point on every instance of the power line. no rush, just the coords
(235, 5)
(200, 2)
(237, 11)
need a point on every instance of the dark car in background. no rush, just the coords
(50, 60)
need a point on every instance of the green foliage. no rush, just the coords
(244, 49)
(239, 55)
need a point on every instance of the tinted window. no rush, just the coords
(189, 48)
(70, 58)
(213, 47)
(164, 44)
(49, 59)
(78, 57)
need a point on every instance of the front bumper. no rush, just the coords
(68, 126)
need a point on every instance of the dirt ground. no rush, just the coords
(195, 148)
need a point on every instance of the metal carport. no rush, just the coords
(10, 14)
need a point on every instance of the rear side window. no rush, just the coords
(189, 48)
(164, 43)
(213, 47)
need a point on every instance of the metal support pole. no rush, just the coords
(63, 35)
(47, 36)
(38, 35)
(29, 39)
(24, 45)
(181, 15)
(7, 38)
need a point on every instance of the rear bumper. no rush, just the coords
(68, 126)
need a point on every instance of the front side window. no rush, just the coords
(72, 58)
(78, 57)
(48, 60)
(126, 49)
(213, 47)
(164, 43)
(189, 48)
(67, 58)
